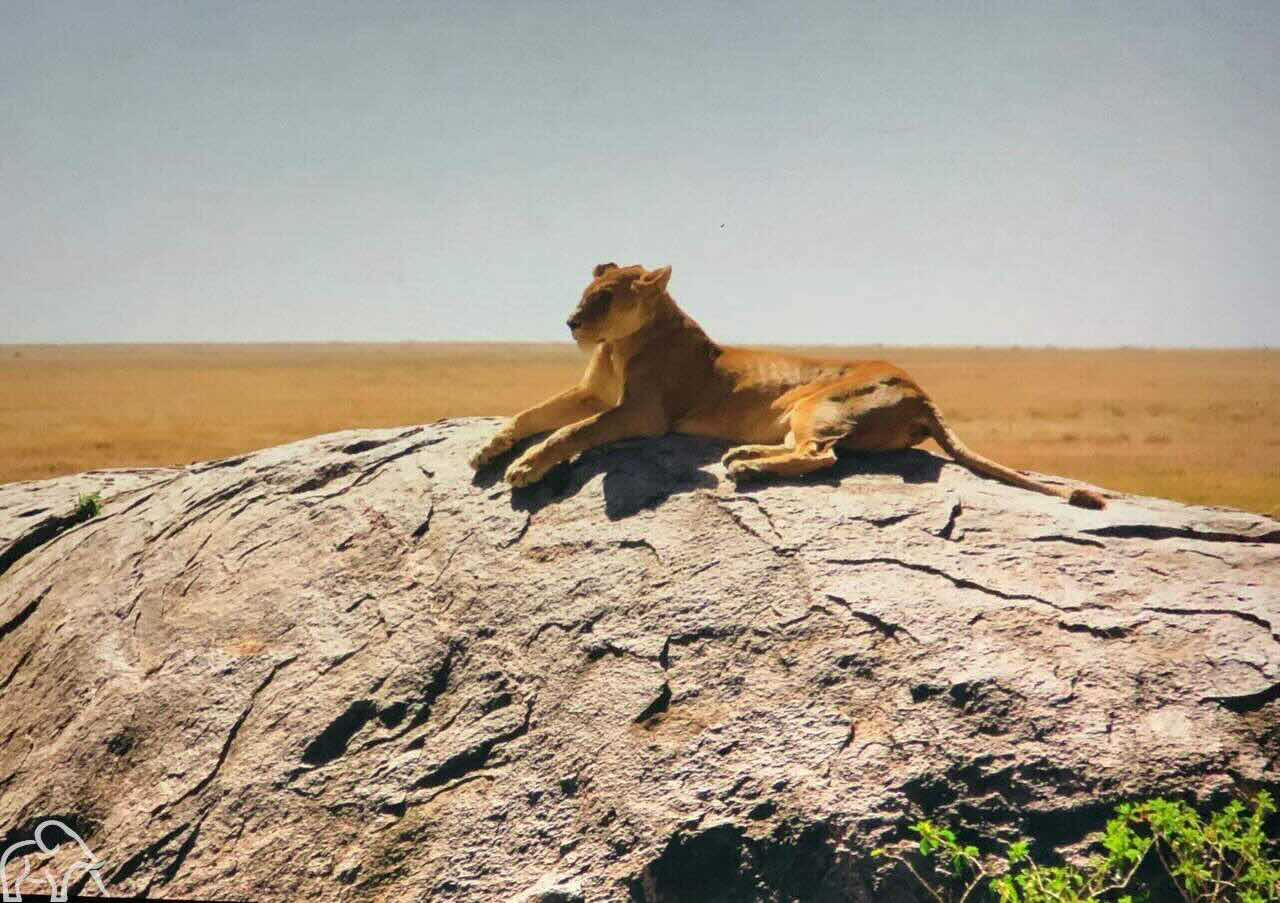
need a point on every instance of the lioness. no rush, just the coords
(654, 371)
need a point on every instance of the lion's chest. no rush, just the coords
(604, 377)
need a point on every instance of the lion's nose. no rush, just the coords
(574, 322)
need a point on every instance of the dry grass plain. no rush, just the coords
(1200, 426)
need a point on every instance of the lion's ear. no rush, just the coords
(602, 268)
(655, 280)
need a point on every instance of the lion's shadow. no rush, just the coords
(912, 465)
(641, 474)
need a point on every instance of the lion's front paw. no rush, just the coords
(525, 471)
(497, 446)
(742, 471)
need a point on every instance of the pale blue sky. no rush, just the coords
(991, 173)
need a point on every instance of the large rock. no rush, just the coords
(347, 668)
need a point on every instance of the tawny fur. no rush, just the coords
(654, 371)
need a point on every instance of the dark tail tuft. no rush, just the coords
(1086, 498)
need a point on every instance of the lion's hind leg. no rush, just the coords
(792, 464)
(749, 452)
(882, 414)
(810, 446)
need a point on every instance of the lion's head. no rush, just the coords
(619, 301)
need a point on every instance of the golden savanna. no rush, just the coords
(1199, 426)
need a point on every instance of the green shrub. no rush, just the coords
(1225, 859)
(89, 505)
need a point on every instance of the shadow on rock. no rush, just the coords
(912, 465)
(639, 474)
(724, 864)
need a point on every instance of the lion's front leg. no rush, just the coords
(567, 407)
(497, 446)
(622, 422)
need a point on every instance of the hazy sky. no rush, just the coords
(995, 173)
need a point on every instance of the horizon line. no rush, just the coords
(264, 343)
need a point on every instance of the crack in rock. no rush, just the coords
(1248, 702)
(21, 617)
(422, 528)
(474, 757)
(1156, 532)
(882, 626)
(155, 850)
(194, 511)
(959, 582)
(1228, 612)
(332, 741)
(747, 528)
(1103, 633)
(1074, 540)
(231, 737)
(953, 516)
(16, 668)
(520, 534)
(449, 560)
(639, 544)
(134, 863)
(659, 705)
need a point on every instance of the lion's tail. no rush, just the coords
(951, 444)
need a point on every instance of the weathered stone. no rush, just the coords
(347, 668)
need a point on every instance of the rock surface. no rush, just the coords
(347, 668)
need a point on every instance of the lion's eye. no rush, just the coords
(603, 297)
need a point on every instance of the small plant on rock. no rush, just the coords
(88, 506)
(1227, 858)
